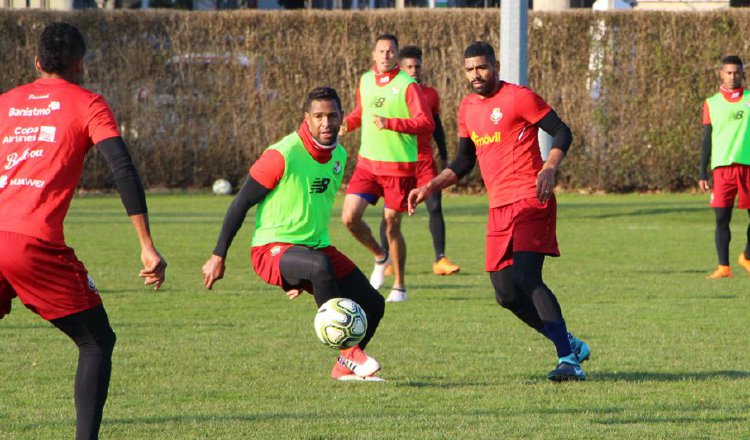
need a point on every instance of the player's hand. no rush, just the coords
(154, 267)
(545, 183)
(293, 293)
(213, 271)
(343, 129)
(417, 196)
(379, 122)
(703, 185)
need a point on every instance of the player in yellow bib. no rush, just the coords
(726, 145)
(294, 184)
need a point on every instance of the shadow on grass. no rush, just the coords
(667, 419)
(182, 418)
(639, 212)
(646, 376)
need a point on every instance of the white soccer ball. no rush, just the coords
(222, 187)
(340, 323)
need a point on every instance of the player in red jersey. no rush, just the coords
(47, 127)
(498, 125)
(410, 61)
(391, 112)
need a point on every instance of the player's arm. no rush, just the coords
(420, 120)
(562, 138)
(439, 136)
(264, 175)
(133, 197)
(705, 157)
(705, 149)
(462, 165)
(353, 120)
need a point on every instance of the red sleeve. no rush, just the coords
(420, 121)
(531, 106)
(101, 123)
(354, 119)
(706, 114)
(268, 169)
(463, 132)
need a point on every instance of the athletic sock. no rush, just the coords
(382, 260)
(557, 332)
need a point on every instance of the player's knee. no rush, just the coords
(350, 220)
(320, 266)
(507, 299)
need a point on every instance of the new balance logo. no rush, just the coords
(377, 102)
(319, 185)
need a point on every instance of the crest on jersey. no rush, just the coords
(496, 115)
(276, 250)
(395, 90)
(337, 167)
(92, 286)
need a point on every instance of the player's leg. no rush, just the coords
(442, 265)
(510, 296)
(743, 202)
(744, 258)
(356, 287)
(527, 271)
(91, 332)
(352, 216)
(300, 264)
(722, 201)
(397, 247)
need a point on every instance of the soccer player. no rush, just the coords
(726, 144)
(294, 184)
(498, 125)
(391, 110)
(47, 128)
(410, 61)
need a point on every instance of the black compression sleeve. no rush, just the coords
(705, 151)
(439, 135)
(466, 157)
(562, 137)
(126, 177)
(250, 195)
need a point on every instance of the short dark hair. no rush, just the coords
(732, 59)
(480, 49)
(60, 47)
(389, 37)
(410, 52)
(322, 94)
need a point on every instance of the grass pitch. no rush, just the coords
(670, 354)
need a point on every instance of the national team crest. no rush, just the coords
(395, 90)
(496, 115)
(337, 167)
(276, 250)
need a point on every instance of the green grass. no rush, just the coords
(670, 349)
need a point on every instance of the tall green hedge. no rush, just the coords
(200, 95)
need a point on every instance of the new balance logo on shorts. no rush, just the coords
(319, 185)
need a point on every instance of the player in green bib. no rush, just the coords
(392, 111)
(726, 145)
(294, 183)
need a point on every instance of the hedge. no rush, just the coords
(200, 95)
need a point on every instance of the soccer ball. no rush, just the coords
(340, 323)
(222, 187)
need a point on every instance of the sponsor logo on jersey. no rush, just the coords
(377, 102)
(32, 96)
(92, 286)
(34, 111)
(275, 251)
(337, 168)
(15, 158)
(496, 115)
(22, 134)
(738, 115)
(481, 141)
(22, 181)
(3, 181)
(319, 185)
(47, 133)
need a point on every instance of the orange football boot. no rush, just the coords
(720, 272)
(444, 267)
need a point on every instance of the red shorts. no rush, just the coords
(525, 225)
(729, 181)
(266, 259)
(426, 171)
(394, 189)
(48, 278)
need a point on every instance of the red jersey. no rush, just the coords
(502, 128)
(424, 140)
(46, 129)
